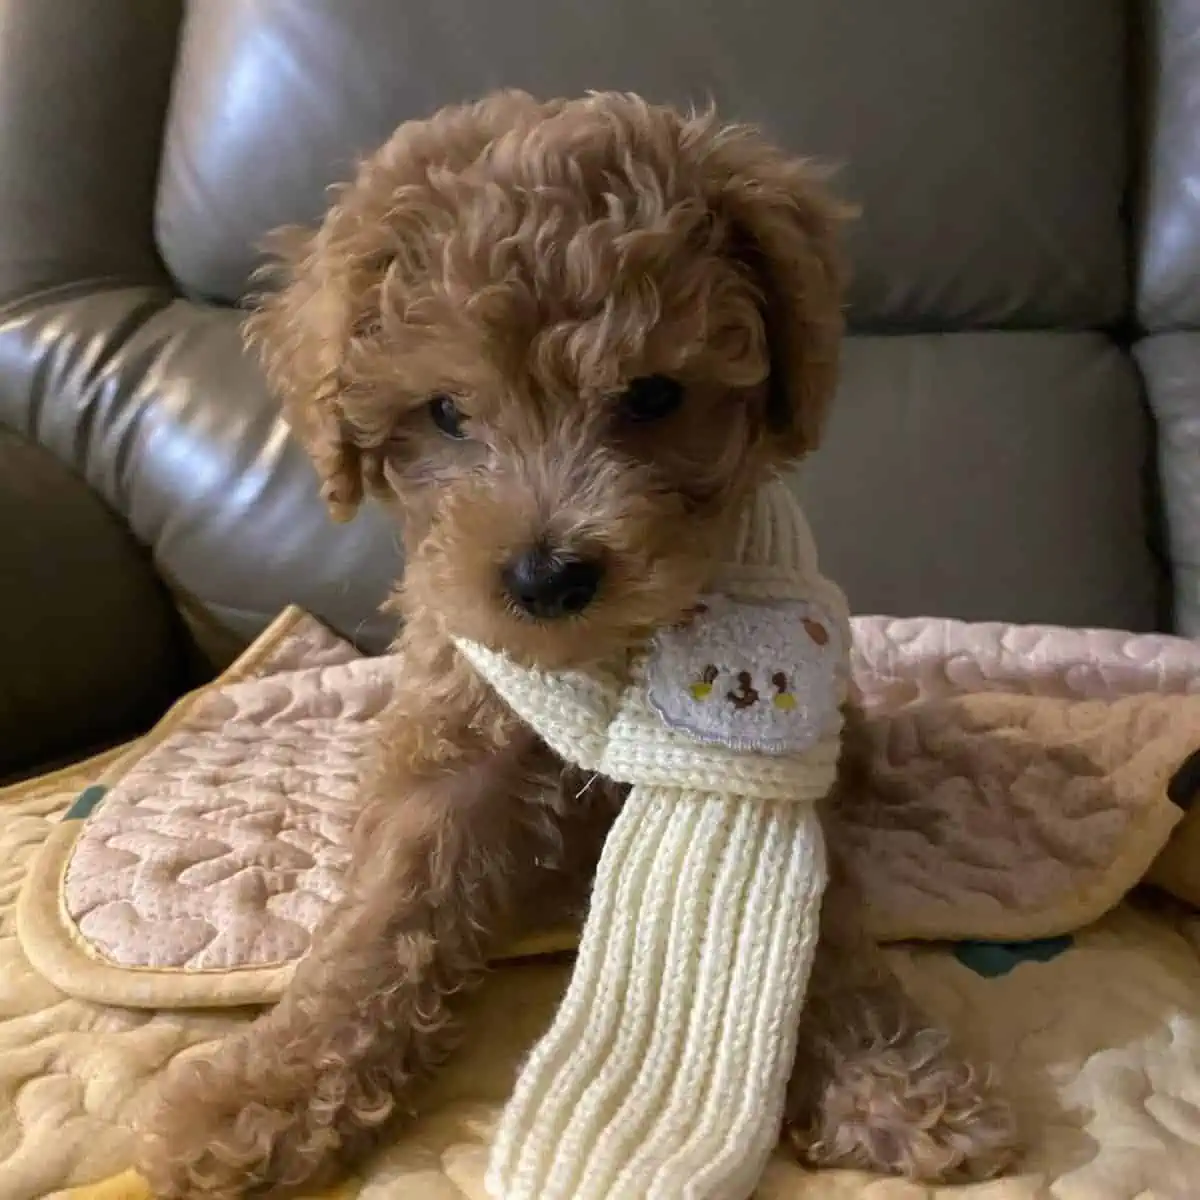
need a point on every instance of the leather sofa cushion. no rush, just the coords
(1001, 473)
(1169, 263)
(151, 399)
(82, 97)
(978, 475)
(984, 139)
(1171, 365)
(90, 648)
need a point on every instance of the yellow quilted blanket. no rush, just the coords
(1099, 1042)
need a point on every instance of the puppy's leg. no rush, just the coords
(877, 1086)
(306, 1089)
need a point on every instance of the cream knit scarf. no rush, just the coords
(664, 1072)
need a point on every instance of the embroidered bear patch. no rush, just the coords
(761, 677)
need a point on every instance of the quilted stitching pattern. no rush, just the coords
(225, 845)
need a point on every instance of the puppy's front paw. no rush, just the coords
(220, 1130)
(909, 1109)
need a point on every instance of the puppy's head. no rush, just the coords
(565, 340)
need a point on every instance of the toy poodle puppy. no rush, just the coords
(564, 341)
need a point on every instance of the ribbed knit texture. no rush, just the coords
(664, 1072)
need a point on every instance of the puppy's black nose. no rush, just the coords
(548, 585)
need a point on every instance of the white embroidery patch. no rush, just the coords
(760, 676)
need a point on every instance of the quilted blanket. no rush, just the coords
(1006, 801)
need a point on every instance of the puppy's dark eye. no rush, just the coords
(447, 416)
(651, 398)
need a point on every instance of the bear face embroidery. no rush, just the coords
(762, 676)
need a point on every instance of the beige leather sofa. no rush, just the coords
(1018, 428)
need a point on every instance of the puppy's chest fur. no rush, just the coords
(573, 811)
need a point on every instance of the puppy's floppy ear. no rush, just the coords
(314, 332)
(782, 225)
(298, 332)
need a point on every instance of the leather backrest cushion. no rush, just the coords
(993, 476)
(985, 140)
(1169, 262)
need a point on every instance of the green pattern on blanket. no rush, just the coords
(85, 803)
(993, 959)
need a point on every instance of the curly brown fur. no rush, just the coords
(507, 271)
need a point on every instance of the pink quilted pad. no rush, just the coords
(225, 845)
(222, 846)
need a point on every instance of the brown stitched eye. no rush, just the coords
(447, 416)
(651, 398)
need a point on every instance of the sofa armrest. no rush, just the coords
(141, 393)
(149, 398)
